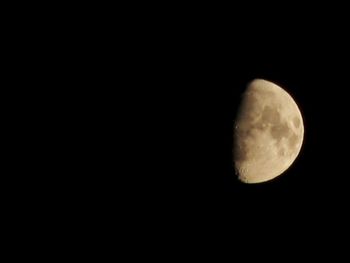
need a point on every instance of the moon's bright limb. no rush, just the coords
(268, 132)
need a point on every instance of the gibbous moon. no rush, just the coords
(268, 132)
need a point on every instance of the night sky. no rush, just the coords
(204, 87)
(144, 103)
(185, 84)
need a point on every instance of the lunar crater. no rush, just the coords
(280, 130)
(293, 141)
(270, 115)
(282, 152)
(296, 122)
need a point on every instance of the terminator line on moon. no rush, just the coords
(268, 132)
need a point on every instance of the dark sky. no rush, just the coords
(185, 82)
(178, 88)
(142, 128)
(201, 91)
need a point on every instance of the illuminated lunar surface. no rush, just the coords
(268, 132)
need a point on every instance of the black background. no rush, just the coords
(142, 127)
(195, 83)
(196, 94)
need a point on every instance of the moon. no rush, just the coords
(268, 132)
